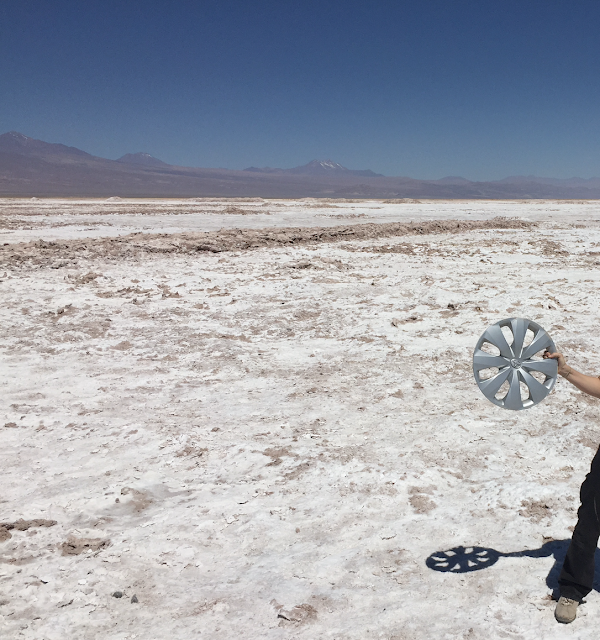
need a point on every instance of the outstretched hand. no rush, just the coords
(587, 384)
(562, 363)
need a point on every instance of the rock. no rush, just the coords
(64, 603)
(117, 594)
(299, 614)
(134, 599)
(123, 346)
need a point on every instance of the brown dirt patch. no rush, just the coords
(535, 510)
(420, 500)
(22, 525)
(276, 455)
(59, 254)
(75, 546)
(140, 500)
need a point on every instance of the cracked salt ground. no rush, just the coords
(280, 450)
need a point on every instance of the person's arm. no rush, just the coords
(587, 384)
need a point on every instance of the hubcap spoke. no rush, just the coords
(483, 360)
(540, 341)
(547, 367)
(519, 329)
(513, 397)
(537, 391)
(496, 337)
(490, 387)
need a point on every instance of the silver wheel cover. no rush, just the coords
(515, 364)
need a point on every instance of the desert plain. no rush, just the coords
(247, 418)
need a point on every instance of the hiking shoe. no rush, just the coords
(566, 610)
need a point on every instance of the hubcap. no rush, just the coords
(505, 374)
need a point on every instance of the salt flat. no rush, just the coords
(52, 219)
(283, 442)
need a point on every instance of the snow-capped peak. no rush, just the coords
(17, 137)
(142, 158)
(326, 164)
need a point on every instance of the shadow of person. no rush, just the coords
(468, 559)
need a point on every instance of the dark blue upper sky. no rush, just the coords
(426, 88)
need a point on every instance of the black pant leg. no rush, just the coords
(577, 575)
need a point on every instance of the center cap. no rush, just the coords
(515, 363)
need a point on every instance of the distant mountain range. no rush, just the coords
(319, 168)
(30, 167)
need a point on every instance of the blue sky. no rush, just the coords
(427, 88)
